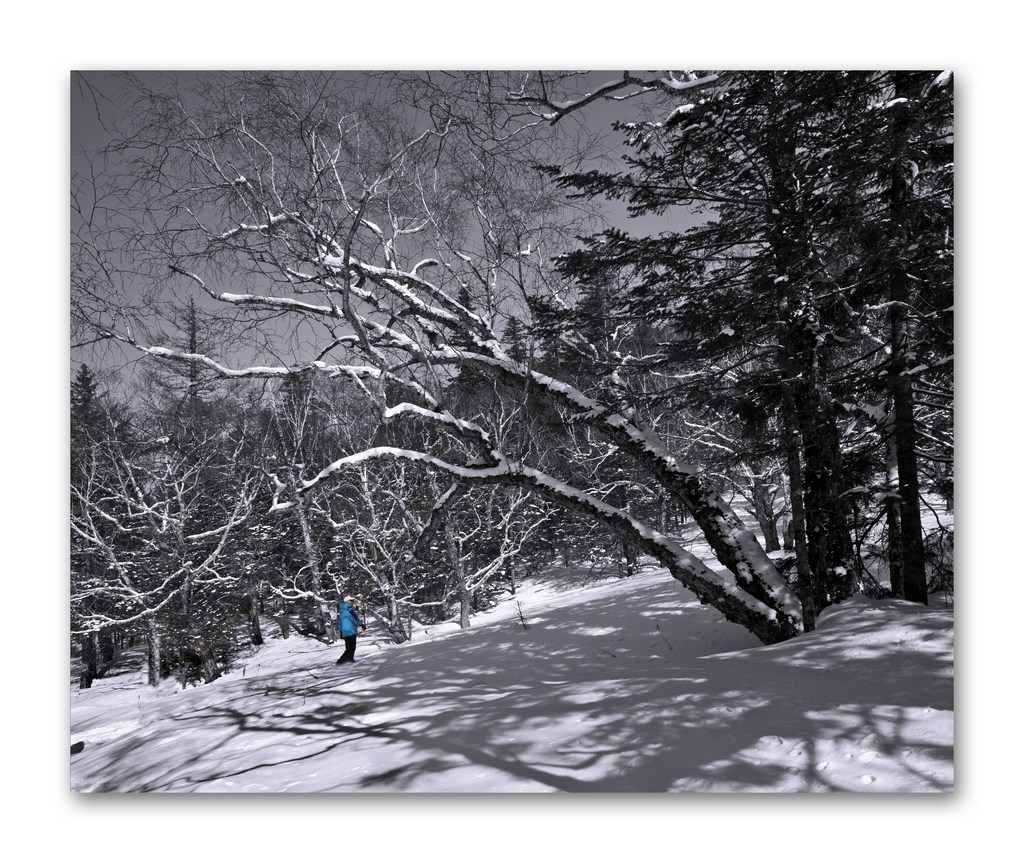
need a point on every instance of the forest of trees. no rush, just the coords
(412, 336)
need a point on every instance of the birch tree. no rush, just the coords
(303, 215)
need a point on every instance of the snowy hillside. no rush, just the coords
(614, 685)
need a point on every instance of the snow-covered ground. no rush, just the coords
(614, 685)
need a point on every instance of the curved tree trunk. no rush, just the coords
(740, 601)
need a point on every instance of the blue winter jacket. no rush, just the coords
(348, 620)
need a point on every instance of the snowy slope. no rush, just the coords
(617, 685)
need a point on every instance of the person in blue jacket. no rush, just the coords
(349, 624)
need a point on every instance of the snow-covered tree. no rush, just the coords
(302, 215)
(152, 520)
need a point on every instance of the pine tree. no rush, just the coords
(905, 232)
(788, 165)
(515, 339)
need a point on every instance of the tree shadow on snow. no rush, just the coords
(579, 702)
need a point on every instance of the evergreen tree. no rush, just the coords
(515, 338)
(86, 414)
(789, 166)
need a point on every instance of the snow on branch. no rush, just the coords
(670, 82)
(258, 229)
(439, 306)
(361, 372)
(259, 300)
(223, 371)
(463, 428)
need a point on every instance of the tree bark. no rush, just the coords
(314, 581)
(459, 573)
(803, 361)
(90, 652)
(830, 549)
(892, 521)
(804, 575)
(764, 512)
(252, 615)
(915, 582)
(153, 648)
